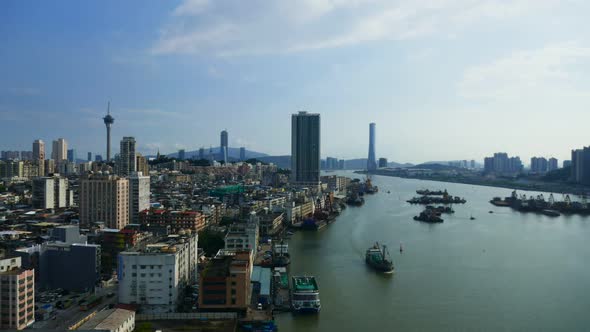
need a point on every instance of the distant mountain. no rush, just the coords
(280, 161)
(233, 154)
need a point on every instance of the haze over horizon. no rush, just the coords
(443, 80)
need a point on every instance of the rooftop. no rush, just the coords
(110, 319)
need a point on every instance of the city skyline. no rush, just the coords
(169, 83)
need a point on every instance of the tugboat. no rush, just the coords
(376, 258)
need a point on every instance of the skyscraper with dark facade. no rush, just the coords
(305, 148)
(371, 161)
(223, 146)
(242, 153)
(127, 157)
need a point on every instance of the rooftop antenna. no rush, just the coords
(109, 107)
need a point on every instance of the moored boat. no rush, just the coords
(305, 294)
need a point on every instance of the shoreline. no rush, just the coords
(542, 187)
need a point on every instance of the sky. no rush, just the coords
(443, 80)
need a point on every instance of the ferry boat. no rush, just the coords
(305, 295)
(376, 257)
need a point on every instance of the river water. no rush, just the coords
(503, 271)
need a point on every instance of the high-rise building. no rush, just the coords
(382, 162)
(105, 198)
(331, 163)
(539, 165)
(127, 157)
(156, 276)
(10, 155)
(49, 166)
(224, 141)
(567, 163)
(341, 164)
(98, 157)
(201, 153)
(371, 161)
(581, 166)
(11, 169)
(305, 148)
(38, 150)
(552, 164)
(500, 163)
(181, 154)
(139, 195)
(17, 291)
(108, 121)
(59, 150)
(89, 156)
(142, 165)
(72, 155)
(242, 153)
(26, 155)
(50, 193)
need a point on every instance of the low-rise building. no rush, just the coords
(155, 277)
(243, 236)
(112, 320)
(225, 282)
(177, 220)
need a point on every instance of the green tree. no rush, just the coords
(211, 241)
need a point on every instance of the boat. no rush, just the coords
(551, 213)
(472, 218)
(429, 216)
(305, 294)
(376, 258)
(389, 192)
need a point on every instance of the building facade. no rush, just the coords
(51, 193)
(176, 220)
(38, 150)
(305, 149)
(156, 276)
(104, 198)
(17, 295)
(225, 282)
(139, 195)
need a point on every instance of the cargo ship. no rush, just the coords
(376, 258)
(429, 216)
(305, 294)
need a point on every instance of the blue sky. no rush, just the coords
(447, 79)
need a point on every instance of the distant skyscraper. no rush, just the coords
(38, 150)
(72, 155)
(97, 157)
(371, 161)
(382, 162)
(59, 150)
(552, 164)
(242, 153)
(89, 156)
(224, 141)
(202, 153)
(127, 157)
(305, 148)
(108, 121)
(181, 154)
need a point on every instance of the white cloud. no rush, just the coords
(552, 72)
(231, 27)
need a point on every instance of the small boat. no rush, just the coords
(376, 258)
(401, 248)
(491, 211)
(472, 217)
(389, 192)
